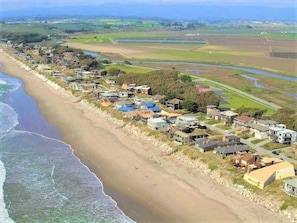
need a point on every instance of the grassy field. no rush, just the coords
(103, 37)
(129, 68)
(236, 101)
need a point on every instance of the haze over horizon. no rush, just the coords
(21, 4)
(190, 9)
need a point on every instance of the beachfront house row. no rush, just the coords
(157, 124)
(290, 187)
(265, 176)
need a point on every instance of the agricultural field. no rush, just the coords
(245, 44)
(251, 47)
(241, 50)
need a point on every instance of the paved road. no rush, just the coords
(244, 94)
(259, 149)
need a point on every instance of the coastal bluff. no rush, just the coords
(162, 156)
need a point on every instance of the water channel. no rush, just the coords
(248, 70)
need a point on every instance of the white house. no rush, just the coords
(282, 135)
(186, 120)
(157, 124)
(286, 136)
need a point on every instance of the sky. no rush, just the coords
(25, 4)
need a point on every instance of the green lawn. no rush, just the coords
(236, 101)
(129, 68)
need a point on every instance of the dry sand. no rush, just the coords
(147, 186)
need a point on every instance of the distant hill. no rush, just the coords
(170, 11)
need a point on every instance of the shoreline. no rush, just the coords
(4, 216)
(147, 186)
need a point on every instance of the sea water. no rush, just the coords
(40, 178)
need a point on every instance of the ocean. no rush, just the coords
(40, 178)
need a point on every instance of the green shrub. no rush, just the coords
(284, 206)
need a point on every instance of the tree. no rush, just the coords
(185, 78)
(127, 62)
(190, 105)
(114, 71)
(287, 117)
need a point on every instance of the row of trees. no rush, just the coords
(24, 37)
(173, 85)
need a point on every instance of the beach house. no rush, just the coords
(227, 117)
(205, 145)
(157, 124)
(265, 176)
(224, 151)
(184, 121)
(242, 121)
(174, 104)
(213, 112)
(184, 138)
(280, 134)
(260, 131)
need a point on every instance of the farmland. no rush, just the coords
(240, 46)
(245, 44)
(228, 49)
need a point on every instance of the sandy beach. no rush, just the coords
(148, 186)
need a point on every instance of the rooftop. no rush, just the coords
(264, 173)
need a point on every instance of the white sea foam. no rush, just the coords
(2, 82)
(12, 83)
(4, 217)
(8, 118)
